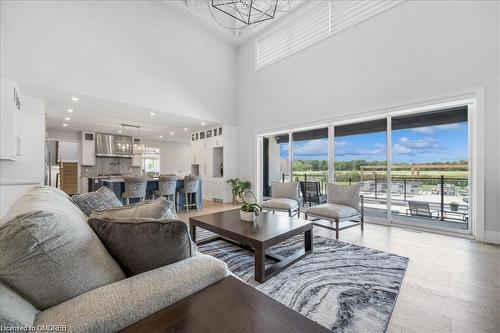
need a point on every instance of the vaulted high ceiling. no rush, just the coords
(123, 60)
(200, 11)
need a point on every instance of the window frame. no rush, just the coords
(472, 98)
(148, 155)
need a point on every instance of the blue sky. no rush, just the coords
(438, 143)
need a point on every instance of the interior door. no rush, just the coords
(69, 177)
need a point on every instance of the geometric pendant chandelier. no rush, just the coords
(240, 14)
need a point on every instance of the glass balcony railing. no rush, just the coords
(432, 198)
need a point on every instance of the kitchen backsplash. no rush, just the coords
(111, 165)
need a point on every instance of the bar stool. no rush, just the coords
(135, 188)
(190, 189)
(167, 187)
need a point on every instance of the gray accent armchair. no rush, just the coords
(285, 198)
(344, 209)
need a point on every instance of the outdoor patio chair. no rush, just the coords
(311, 192)
(381, 186)
(448, 189)
(344, 209)
(421, 209)
(397, 188)
(367, 186)
(414, 188)
(285, 198)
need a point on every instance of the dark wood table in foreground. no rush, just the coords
(228, 305)
(268, 230)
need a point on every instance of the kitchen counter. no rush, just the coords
(117, 185)
(111, 179)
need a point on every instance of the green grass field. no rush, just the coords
(397, 173)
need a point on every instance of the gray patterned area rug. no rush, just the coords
(344, 287)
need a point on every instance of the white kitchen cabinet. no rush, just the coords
(206, 192)
(217, 141)
(88, 149)
(195, 151)
(217, 190)
(10, 139)
(214, 190)
(212, 152)
(204, 158)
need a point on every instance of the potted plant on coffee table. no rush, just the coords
(249, 211)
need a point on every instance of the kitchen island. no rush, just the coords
(117, 185)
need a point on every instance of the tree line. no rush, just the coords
(353, 165)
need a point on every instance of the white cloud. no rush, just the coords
(417, 144)
(448, 126)
(407, 146)
(435, 128)
(377, 152)
(423, 130)
(311, 147)
(399, 149)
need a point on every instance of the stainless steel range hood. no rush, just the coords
(109, 145)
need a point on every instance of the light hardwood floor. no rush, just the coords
(451, 285)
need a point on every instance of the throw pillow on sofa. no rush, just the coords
(101, 199)
(15, 311)
(49, 253)
(160, 208)
(140, 245)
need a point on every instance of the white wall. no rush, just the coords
(175, 157)
(69, 151)
(17, 177)
(136, 52)
(416, 50)
(56, 134)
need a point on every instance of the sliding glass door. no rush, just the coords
(430, 183)
(310, 164)
(422, 180)
(360, 157)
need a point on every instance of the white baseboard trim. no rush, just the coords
(492, 237)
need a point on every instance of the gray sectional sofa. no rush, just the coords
(54, 270)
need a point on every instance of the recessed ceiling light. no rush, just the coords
(70, 110)
(74, 99)
(67, 118)
(152, 114)
(171, 133)
(119, 131)
(185, 128)
(161, 136)
(65, 125)
(203, 124)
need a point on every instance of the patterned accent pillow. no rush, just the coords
(160, 208)
(99, 200)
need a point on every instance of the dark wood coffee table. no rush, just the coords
(268, 230)
(226, 306)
